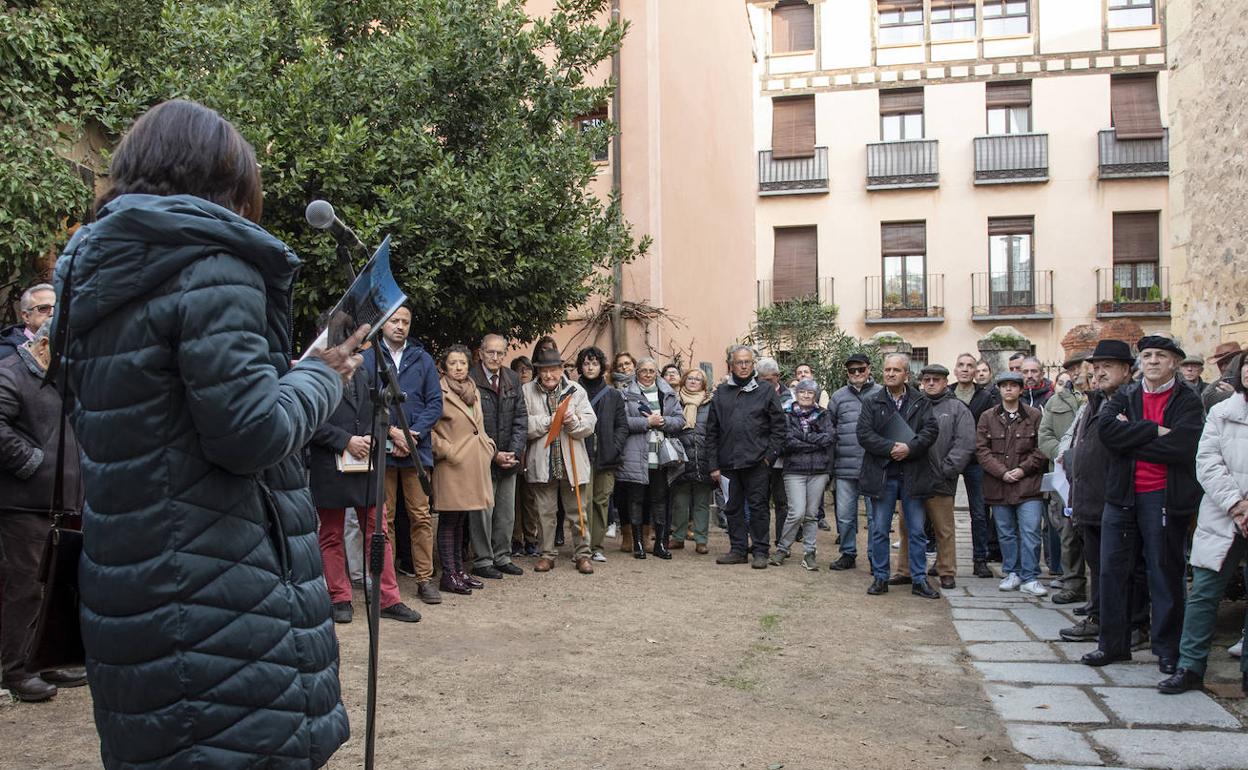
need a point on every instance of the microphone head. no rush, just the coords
(320, 214)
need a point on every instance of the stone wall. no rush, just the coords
(1208, 105)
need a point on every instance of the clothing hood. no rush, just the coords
(116, 262)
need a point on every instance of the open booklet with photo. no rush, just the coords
(372, 299)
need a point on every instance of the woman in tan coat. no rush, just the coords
(461, 467)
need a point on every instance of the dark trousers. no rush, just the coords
(1127, 534)
(648, 502)
(1139, 594)
(22, 536)
(748, 486)
(780, 499)
(982, 535)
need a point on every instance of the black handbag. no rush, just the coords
(57, 638)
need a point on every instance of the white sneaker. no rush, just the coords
(612, 530)
(597, 556)
(1236, 650)
(1034, 587)
(896, 545)
(1011, 583)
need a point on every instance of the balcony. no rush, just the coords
(903, 165)
(1011, 158)
(1133, 158)
(822, 291)
(1016, 296)
(1133, 290)
(793, 176)
(921, 304)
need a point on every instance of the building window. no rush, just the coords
(795, 266)
(1132, 13)
(1133, 107)
(1010, 262)
(1006, 17)
(901, 114)
(904, 252)
(793, 127)
(900, 22)
(1137, 238)
(590, 123)
(1009, 107)
(953, 20)
(918, 361)
(793, 27)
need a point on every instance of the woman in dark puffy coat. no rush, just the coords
(808, 455)
(653, 415)
(204, 612)
(691, 494)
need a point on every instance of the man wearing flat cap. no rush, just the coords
(1193, 367)
(1151, 429)
(1059, 415)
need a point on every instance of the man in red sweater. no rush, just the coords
(1151, 430)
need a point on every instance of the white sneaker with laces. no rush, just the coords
(1236, 650)
(1034, 587)
(1011, 583)
(597, 556)
(613, 530)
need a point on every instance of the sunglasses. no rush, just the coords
(45, 309)
(856, 369)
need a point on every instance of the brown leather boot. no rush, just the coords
(675, 545)
(626, 537)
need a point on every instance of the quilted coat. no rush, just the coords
(204, 610)
(1222, 469)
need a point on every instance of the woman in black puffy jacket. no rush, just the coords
(691, 494)
(808, 458)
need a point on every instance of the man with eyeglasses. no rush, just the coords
(37, 307)
(845, 406)
(506, 422)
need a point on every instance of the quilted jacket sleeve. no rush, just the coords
(17, 455)
(247, 416)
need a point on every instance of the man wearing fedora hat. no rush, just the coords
(1151, 430)
(1228, 357)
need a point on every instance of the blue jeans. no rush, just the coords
(1018, 532)
(973, 479)
(847, 498)
(882, 520)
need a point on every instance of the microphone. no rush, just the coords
(320, 214)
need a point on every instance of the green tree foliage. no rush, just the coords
(447, 124)
(805, 331)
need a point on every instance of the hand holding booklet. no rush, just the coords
(372, 299)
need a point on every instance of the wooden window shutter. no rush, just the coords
(1137, 236)
(795, 268)
(1015, 93)
(896, 101)
(903, 239)
(1011, 225)
(793, 27)
(1133, 107)
(793, 127)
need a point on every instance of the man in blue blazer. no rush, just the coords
(422, 406)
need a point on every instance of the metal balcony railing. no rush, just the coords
(1011, 158)
(822, 291)
(902, 165)
(793, 176)
(1019, 295)
(915, 302)
(1139, 289)
(1132, 158)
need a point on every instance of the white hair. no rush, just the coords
(902, 356)
(28, 296)
(732, 351)
(766, 366)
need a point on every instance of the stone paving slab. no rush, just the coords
(987, 601)
(1075, 650)
(1052, 742)
(1044, 704)
(1042, 622)
(1012, 651)
(989, 631)
(1072, 767)
(1188, 750)
(974, 613)
(987, 587)
(1137, 705)
(1133, 674)
(1039, 673)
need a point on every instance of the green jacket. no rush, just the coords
(1059, 415)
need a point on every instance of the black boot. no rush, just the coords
(660, 542)
(639, 548)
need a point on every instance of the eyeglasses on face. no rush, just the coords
(493, 353)
(44, 309)
(856, 369)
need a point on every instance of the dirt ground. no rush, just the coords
(645, 664)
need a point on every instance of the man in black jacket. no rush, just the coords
(895, 429)
(507, 423)
(745, 432)
(1151, 430)
(606, 446)
(979, 399)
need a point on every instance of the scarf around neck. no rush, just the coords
(689, 402)
(466, 389)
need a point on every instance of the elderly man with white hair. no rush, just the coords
(38, 303)
(745, 433)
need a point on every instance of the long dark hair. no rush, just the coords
(184, 148)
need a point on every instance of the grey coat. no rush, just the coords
(845, 406)
(955, 444)
(635, 468)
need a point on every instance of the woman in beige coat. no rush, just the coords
(461, 467)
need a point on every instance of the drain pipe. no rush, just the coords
(617, 270)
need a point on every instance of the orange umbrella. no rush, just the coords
(556, 425)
